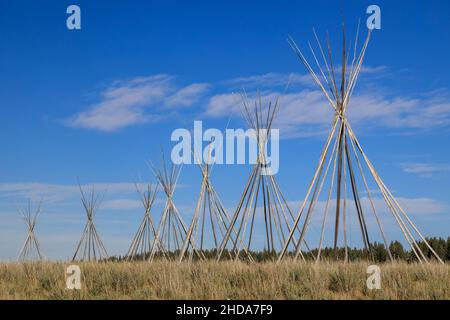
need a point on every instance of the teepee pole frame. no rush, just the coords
(346, 155)
(90, 247)
(31, 241)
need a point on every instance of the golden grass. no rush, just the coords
(224, 280)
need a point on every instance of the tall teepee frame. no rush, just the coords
(143, 240)
(90, 247)
(31, 243)
(262, 198)
(344, 153)
(171, 231)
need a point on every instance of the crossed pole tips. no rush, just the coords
(30, 248)
(349, 164)
(145, 236)
(262, 204)
(90, 247)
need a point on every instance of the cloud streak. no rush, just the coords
(127, 103)
(271, 79)
(303, 109)
(187, 96)
(424, 170)
(275, 79)
(307, 113)
(57, 194)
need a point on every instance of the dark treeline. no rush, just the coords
(377, 253)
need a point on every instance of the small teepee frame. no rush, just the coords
(31, 243)
(171, 231)
(210, 218)
(144, 238)
(344, 153)
(90, 247)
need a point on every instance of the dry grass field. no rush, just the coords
(224, 280)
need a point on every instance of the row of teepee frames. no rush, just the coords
(283, 231)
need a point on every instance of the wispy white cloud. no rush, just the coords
(187, 96)
(372, 70)
(423, 206)
(307, 112)
(222, 105)
(275, 79)
(127, 103)
(271, 79)
(123, 104)
(122, 204)
(60, 193)
(303, 109)
(425, 170)
(414, 112)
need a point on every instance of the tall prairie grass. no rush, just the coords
(224, 280)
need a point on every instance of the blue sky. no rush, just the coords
(99, 103)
